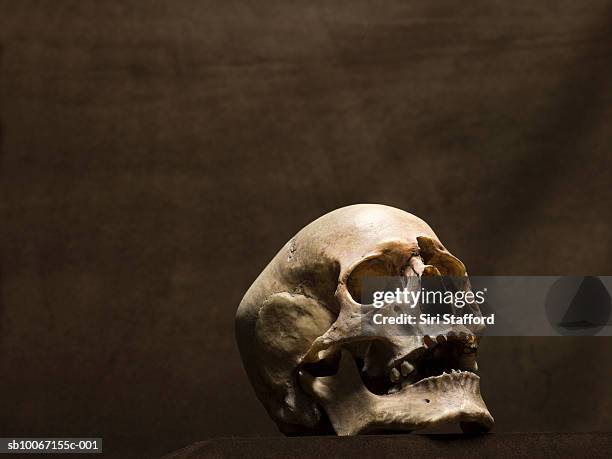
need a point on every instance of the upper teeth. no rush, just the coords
(406, 368)
(406, 372)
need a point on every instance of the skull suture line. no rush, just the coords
(299, 332)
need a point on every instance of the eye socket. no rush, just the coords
(381, 267)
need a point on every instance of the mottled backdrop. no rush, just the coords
(154, 156)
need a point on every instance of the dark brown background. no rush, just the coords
(154, 156)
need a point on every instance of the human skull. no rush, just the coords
(299, 331)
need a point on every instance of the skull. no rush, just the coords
(299, 331)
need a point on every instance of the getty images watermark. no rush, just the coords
(488, 305)
(425, 299)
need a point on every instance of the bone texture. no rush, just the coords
(300, 331)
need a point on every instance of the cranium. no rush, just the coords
(299, 332)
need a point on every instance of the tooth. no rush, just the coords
(406, 368)
(394, 375)
(475, 366)
(429, 342)
(469, 349)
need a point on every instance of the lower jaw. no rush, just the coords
(428, 404)
(471, 419)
